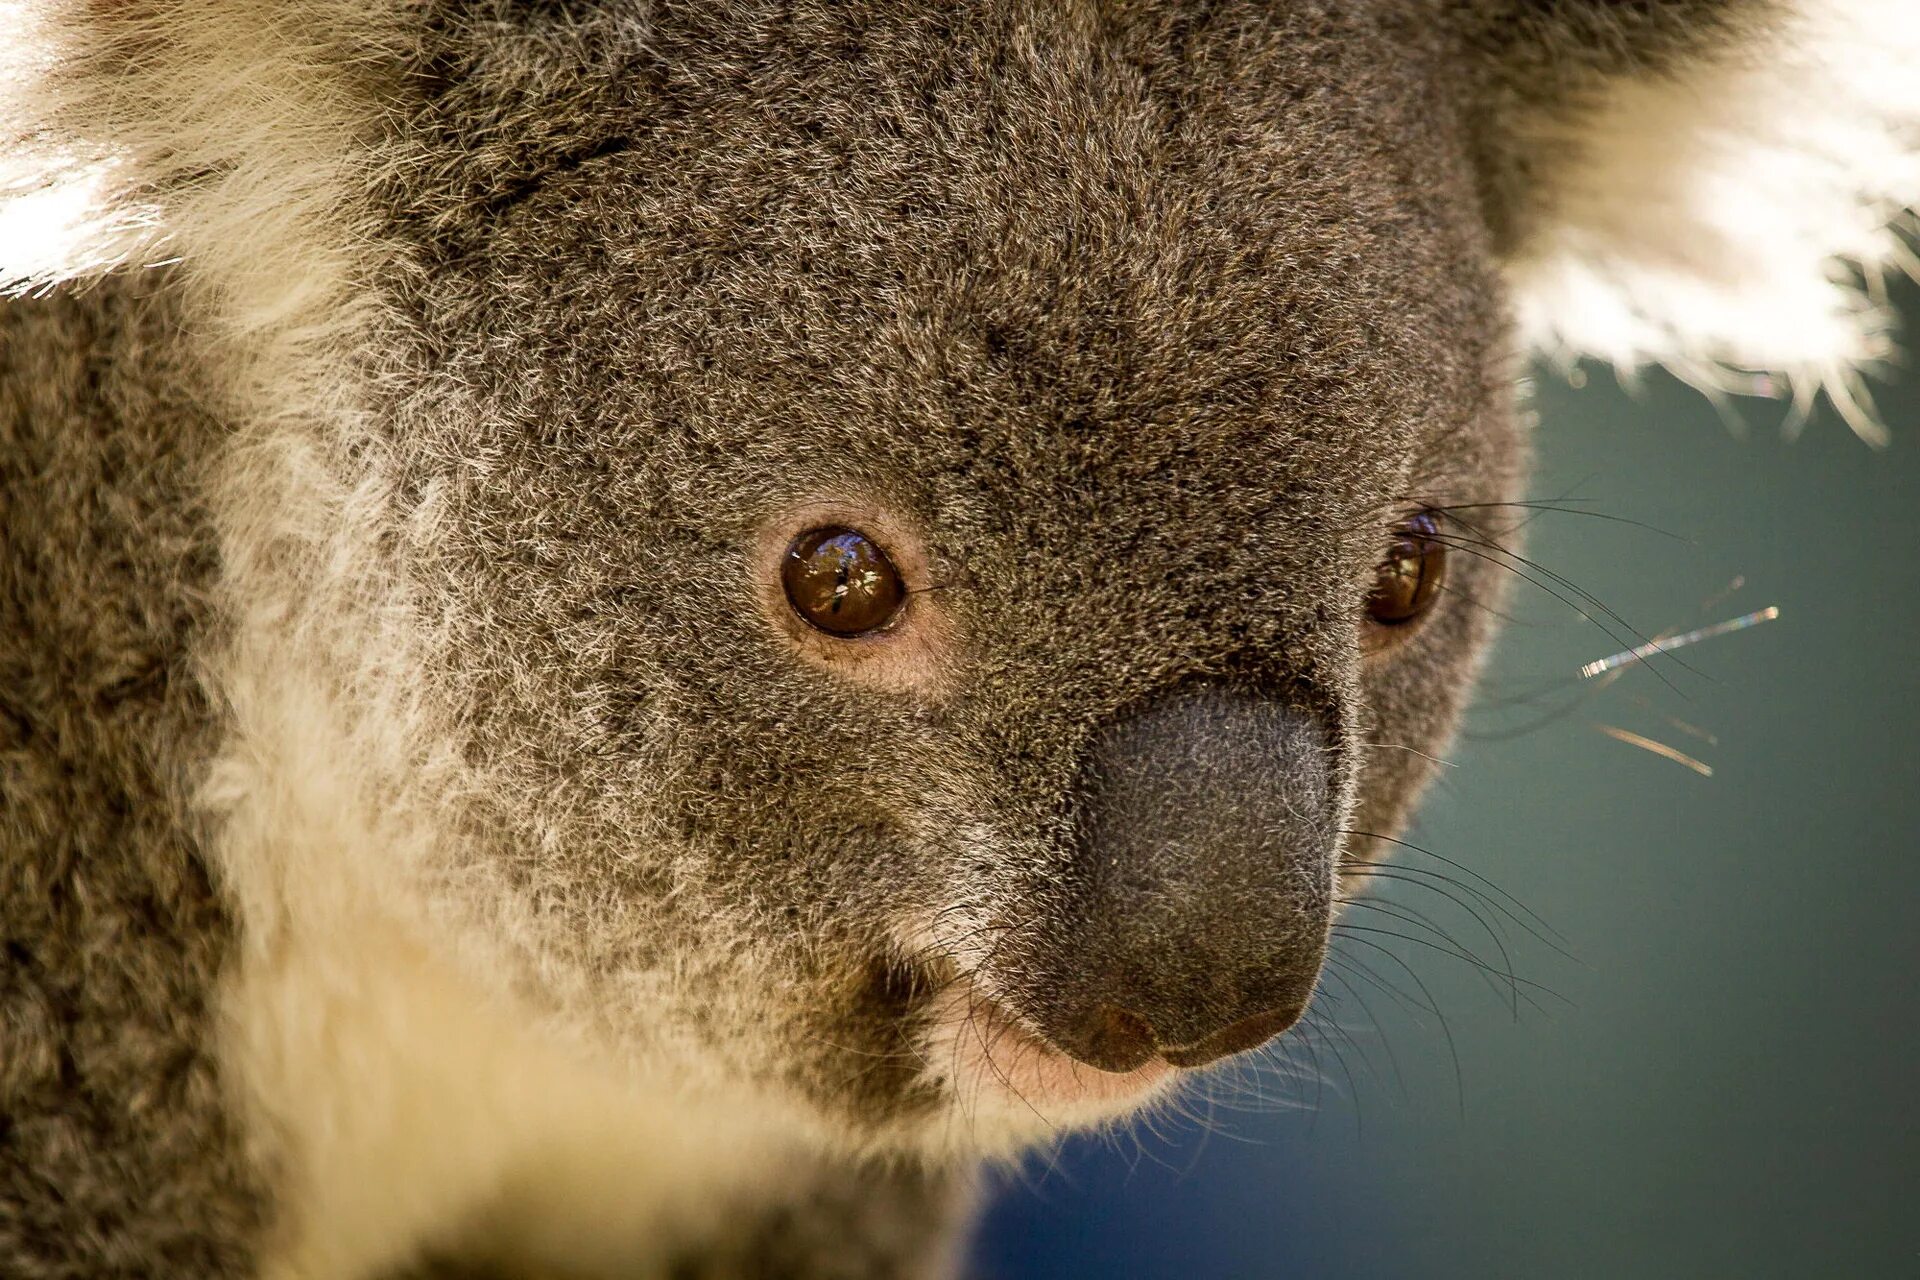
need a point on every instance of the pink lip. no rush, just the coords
(990, 1051)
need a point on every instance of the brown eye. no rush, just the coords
(1410, 577)
(838, 580)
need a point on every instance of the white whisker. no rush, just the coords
(1640, 653)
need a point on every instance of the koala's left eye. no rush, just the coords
(840, 581)
(1408, 580)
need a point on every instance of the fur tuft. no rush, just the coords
(1735, 214)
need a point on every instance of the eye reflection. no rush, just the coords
(839, 581)
(1408, 580)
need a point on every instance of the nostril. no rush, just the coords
(1248, 1033)
(1113, 1039)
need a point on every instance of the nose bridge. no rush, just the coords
(1148, 647)
(1203, 877)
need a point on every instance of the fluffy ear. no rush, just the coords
(1715, 185)
(221, 131)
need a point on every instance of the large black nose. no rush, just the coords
(1200, 897)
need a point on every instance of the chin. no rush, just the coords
(1006, 1085)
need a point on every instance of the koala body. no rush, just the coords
(437, 838)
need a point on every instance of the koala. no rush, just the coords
(635, 633)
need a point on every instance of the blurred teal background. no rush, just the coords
(1724, 1078)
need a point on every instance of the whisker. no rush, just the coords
(1386, 1046)
(1419, 920)
(1353, 1088)
(1464, 869)
(1575, 598)
(1465, 957)
(1640, 653)
(1545, 507)
(1661, 749)
(1401, 746)
(1442, 884)
(1358, 968)
(1433, 1006)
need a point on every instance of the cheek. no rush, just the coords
(803, 794)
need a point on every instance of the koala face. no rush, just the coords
(777, 583)
(1143, 406)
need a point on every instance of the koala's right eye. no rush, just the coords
(1409, 579)
(839, 581)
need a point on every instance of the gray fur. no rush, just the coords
(1146, 320)
(1039, 307)
(116, 1154)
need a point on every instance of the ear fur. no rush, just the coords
(222, 132)
(1714, 185)
(1710, 184)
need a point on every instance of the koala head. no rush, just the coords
(937, 535)
(953, 527)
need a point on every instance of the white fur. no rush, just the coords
(1733, 217)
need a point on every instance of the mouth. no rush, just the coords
(989, 1058)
